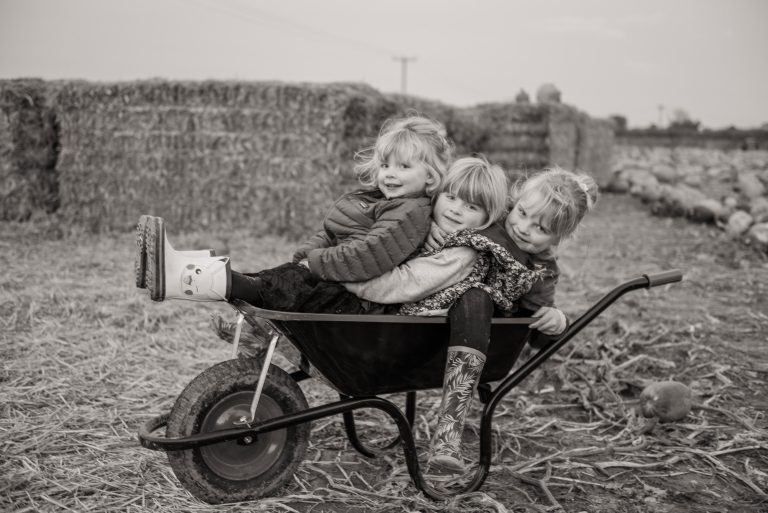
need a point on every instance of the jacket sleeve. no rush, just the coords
(398, 230)
(541, 294)
(417, 278)
(319, 240)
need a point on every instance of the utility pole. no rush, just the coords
(404, 72)
(661, 115)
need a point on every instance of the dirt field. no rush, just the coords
(87, 358)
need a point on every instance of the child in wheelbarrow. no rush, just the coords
(365, 233)
(475, 266)
(538, 222)
(546, 209)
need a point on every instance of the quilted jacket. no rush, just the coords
(365, 235)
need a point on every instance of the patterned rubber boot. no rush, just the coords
(172, 274)
(140, 262)
(462, 374)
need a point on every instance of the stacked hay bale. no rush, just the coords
(266, 156)
(594, 151)
(527, 137)
(517, 135)
(28, 151)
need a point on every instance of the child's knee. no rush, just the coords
(477, 301)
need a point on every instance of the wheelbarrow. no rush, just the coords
(240, 429)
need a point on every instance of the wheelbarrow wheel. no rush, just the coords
(237, 471)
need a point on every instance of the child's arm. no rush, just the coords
(417, 278)
(318, 240)
(539, 302)
(399, 229)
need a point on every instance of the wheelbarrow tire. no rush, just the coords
(231, 471)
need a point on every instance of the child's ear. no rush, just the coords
(430, 178)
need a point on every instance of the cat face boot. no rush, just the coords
(140, 262)
(175, 275)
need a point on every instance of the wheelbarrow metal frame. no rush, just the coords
(404, 422)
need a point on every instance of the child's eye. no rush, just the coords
(384, 166)
(472, 207)
(450, 196)
(405, 165)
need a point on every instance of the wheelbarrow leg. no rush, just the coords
(349, 426)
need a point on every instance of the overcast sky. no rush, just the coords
(642, 59)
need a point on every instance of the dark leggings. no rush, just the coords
(470, 318)
(293, 288)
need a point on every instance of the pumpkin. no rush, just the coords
(669, 401)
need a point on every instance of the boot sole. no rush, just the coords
(155, 258)
(140, 261)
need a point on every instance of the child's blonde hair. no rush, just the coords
(567, 197)
(475, 180)
(409, 138)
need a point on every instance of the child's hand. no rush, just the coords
(551, 321)
(436, 237)
(301, 253)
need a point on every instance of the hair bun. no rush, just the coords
(589, 186)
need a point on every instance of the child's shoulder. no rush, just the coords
(548, 261)
(499, 235)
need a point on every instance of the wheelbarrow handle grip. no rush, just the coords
(664, 277)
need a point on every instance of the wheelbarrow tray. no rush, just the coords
(365, 355)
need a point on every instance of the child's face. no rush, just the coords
(398, 178)
(526, 226)
(452, 213)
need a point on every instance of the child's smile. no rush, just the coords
(452, 213)
(399, 179)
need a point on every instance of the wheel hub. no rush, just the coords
(250, 456)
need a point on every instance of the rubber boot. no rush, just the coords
(462, 375)
(140, 262)
(172, 274)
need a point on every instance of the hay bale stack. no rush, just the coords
(524, 137)
(463, 126)
(28, 150)
(595, 148)
(267, 156)
(517, 135)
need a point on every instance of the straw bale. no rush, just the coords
(28, 150)
(595, 149)
(268, 156)
(528, 137)
(517, 137)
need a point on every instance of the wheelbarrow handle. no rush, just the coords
(664, 277)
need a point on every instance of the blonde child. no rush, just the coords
(365, 233)
(547, 208)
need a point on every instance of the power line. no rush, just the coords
(262, 16)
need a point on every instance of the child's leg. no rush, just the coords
(293, 288)
(470, 321)
(172, 274)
